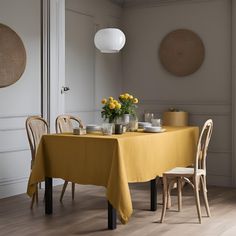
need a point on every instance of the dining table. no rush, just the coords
(113, 162)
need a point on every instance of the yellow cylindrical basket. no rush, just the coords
(175, 118)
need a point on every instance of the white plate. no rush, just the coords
(93, 127)
(144, 124)
(154, 130)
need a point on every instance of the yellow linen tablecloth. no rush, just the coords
(113, 161)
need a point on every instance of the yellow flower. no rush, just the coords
(115, 102)
(118, 106)
(135, 100)
(126, 95)
(104, 101)
(112, 106)
(122, 96)
(131, 97)
(111, 98)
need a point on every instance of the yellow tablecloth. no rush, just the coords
(113, 161)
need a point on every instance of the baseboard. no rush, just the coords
(12, 187)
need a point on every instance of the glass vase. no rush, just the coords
(112, 121)
(126, 118)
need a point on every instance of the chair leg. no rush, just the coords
(179, 186)
(196, 193)
(37, 195)
(171, 184)
(168, 204)
(165, 196)
(63, 190)
(204, 191)
(73, 190)
(32, 201)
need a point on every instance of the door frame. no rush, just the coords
(53, 59)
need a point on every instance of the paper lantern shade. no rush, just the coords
(109, 40)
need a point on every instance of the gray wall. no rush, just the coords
(20, 99)
(207, 92)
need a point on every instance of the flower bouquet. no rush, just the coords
(111, 109)
(128, 104)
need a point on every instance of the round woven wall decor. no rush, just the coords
(181, 52)
(12, 56)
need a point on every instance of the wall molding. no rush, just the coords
(176, 102)
(160, 3)
(23, 115)
(12, 129)
(210, 113)
(9, 181)
(82, 111)
(89, 14)
(14, 150)
(80, 12)
(191, 114)
(171, 103)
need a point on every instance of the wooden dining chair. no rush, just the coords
(35, 128)
(64, 124)
(195, 176)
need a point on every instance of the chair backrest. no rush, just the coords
(203, 143)
(64, 123)
(35, 128)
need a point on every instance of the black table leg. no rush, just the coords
(111, 217)
(48, 196)
(153, 183)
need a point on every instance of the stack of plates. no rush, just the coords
(153, 129)
(92, 128)
(142, 125)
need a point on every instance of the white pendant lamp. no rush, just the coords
(109, 40)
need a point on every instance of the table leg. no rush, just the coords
(48, 196)
(111, 217)
(153, 194)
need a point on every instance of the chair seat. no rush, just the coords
(180, 171)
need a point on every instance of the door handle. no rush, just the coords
(64, 89)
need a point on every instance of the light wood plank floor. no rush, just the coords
(87, 215)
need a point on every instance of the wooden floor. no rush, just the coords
(87, 215)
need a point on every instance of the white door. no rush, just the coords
(79, 65)
(20, 99)
(90, 75)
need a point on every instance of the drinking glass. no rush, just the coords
(156, 122)
(118, 129)
(107, 128)
(133, 123)
(148, 117)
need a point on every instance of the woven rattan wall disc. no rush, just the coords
(181, 52)
(12, 56)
